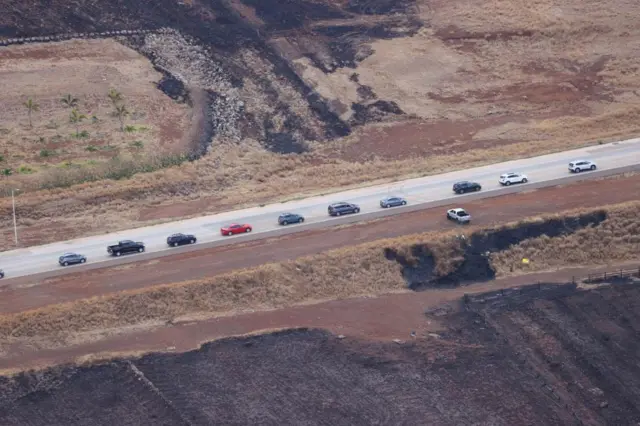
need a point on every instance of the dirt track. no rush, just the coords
(384, 318)
(22, 294)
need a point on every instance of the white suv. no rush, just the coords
(509, 178)
(580, 165)
(459, 215)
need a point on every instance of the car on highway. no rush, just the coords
(180, 239)
(466, 186)
(392, 201)
(235, 228)
(288, 218)
(338, 209)
(581, 165)
(509, 178)
(459, 215)
(1, 273)
(71, 259)
(124, 247)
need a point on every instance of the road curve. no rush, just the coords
(426, 192)
(19, 294)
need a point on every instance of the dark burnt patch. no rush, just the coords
(374, 112)
(349, 43)
(472, 264)
(380, 7)
(290, 14)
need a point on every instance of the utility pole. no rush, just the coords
(15, 226)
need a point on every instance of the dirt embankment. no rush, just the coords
(394, 265)
(545, 354)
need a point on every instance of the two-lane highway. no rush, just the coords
(542, 171)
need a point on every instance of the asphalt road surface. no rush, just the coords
(424, 192)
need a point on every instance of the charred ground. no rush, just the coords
(544, 354)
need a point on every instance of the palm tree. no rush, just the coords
(31, 107)
(69, 101)
(76, 118)
(121, 112)
(115, 96)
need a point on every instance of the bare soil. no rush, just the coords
(21, 294)
(298, 100)
(545, 354)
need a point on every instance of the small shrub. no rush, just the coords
(94, 119)
(130, 129)
(56, 138)
(92, 148)
(46, 153)
(1, 158)
(7, 172)
(81, 135)
(25, 170)
(137, 144)
(42, 139)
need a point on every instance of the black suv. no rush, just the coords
(287, 218)
(176, 240)
(337, 209)
(1, 273)
(71, 259)
(466, 186)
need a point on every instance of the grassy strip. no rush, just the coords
(361, 270)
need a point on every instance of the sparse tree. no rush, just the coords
(31, 106)
(69, 101)
(115, 96)
(76, 118)
(121, 112)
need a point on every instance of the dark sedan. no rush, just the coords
(287, 218)
(1, 273)
(71, 259)
(466, 186)
(392, 202)
(338, 209)
(176, 240)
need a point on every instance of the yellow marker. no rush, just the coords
(525, 260)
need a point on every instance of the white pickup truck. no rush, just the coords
(459, 215)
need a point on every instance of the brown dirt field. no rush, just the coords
(86, 69)
(24, 293)
(477, 82)
(383, 318)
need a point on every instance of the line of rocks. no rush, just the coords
(70, 36)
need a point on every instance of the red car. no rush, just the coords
(235, 228)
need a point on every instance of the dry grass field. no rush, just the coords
(418, 262)
(56, 142)
(419, 87)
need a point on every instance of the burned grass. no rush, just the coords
(417, 262)
(544, 354)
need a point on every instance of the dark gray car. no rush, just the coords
(392, 202)
(466, 186)
(71, 259)
(1, 273)
(338, 209)
(287, 218)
